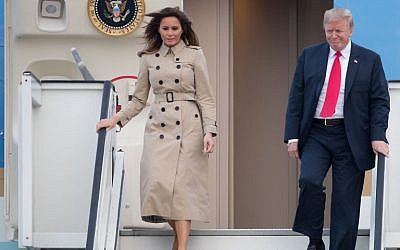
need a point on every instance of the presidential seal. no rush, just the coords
(116, 17)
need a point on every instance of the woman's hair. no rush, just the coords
(338, 14)
(152, 36)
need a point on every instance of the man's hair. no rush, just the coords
(338, 14)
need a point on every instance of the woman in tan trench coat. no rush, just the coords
(181, 124)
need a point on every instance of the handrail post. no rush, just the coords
(379, 204)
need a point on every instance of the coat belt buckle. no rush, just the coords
(169, 96)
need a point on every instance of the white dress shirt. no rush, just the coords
(344, 62)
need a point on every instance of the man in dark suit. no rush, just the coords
(337, 116)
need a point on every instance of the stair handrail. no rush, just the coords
(93, 214)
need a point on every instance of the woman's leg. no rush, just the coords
(182, 228)
(175, 244)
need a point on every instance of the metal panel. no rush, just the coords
(377, 33)
(56, 149)
(25, 161)
(115, 206)
(1, 86)
(385, 217)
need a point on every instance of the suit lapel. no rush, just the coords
(323, 61)
(352, 69)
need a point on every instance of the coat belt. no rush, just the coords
(174, 96)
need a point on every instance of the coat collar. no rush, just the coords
(165, 50)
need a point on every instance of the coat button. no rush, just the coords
(178, 123)
(162, 124)
(162, 109)
(160, 82)
(178, 137)
(158, 67)
(176, 108)
(161, 136)
(177, 59)
(178, 66)
(196, 115)
(157, 54)
(150, 117)
(176, 80)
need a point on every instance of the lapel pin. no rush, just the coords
(355, 61)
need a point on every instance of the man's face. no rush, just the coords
(338, 33)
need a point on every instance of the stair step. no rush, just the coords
(226, 239)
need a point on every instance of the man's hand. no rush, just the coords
(380, 147)
(293, 150)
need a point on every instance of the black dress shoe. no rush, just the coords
(316, 246)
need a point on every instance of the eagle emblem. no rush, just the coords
(116, 10)
(116, 17)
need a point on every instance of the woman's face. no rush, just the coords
(170, 31)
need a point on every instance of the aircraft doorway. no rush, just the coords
(268, 36)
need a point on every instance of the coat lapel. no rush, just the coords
(352, 69)
(322, 62)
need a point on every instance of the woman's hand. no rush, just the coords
(208, 143)
(106, 123)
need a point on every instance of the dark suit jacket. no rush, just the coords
(366, 99)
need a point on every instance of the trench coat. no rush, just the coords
(174, 168)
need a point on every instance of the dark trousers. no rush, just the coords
(325, 147)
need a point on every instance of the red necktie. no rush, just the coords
(332, 92)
